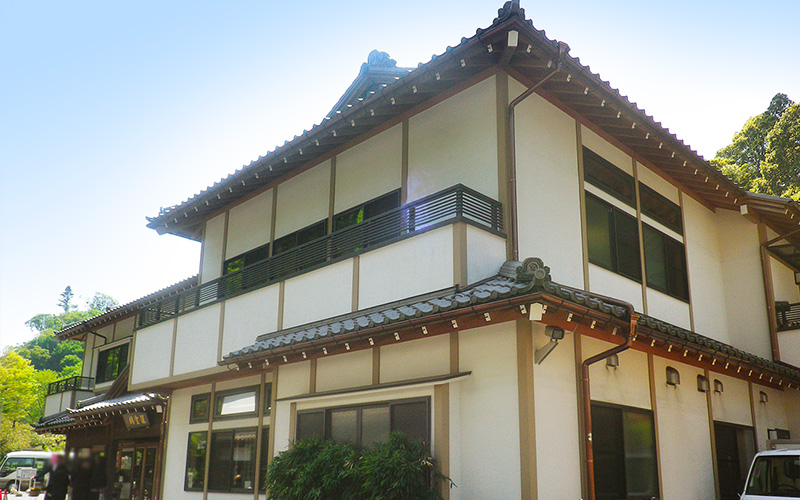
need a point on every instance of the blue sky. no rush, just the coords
(110, 110)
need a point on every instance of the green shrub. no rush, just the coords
(400, 469)
(313, 470)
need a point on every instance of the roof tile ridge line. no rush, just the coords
(353, 314)
(168, 290)
(222, 184)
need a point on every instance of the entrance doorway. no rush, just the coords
(136, 467)
(736, 447)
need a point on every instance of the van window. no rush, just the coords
(13, 463)
(777, 476)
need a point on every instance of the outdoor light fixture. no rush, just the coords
(797, 278)
(702, 384)
(612, 361)
(718, 387)
(673, 377)
(762, 397)
(536, 311)
(555, 335)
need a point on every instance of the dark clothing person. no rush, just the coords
(58, 485)
(82, 480)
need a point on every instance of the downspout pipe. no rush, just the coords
(770, 294)
(563, 48)
(587, 397)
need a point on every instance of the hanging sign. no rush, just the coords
(136, 420)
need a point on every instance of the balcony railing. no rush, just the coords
(788, 316)
(70, 384)
(454, 204)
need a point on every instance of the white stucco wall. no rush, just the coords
(605, 282)
(151, 356)
(657, 183)
(743, 284)
(607, 150)
(486, 253)
(352, 369)
(213, 242)
(548, 194)
(179, 429)
(303, 200)
(369, 169)
(669, 309)
(789, 345)
(410, 267)
(703, 255)
(776, 413)
(684, 435)
(319, 294)
(124, 328)
(556, 408)
(627, 385)
(455, 142)
(197, 340)
(248, 316)
(489, 411)
(249, 225)
(733, 404)
(783, 282)
(419, 358)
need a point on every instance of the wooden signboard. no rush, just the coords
(136, 420)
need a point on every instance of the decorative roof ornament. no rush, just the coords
(532, 270)
(509, 10)
(378, 59)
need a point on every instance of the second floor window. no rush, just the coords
(665, 263)
(613, 238)
(297, 238)
(367, 210)
(246, 259)
(365, 425)
(111, 362)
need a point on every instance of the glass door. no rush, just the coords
(136, 465)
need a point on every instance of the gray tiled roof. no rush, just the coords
(501, 286)
(511, 281)
(126, 401)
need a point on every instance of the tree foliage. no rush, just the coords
(764, 155)
(65, 302)
(101, 302)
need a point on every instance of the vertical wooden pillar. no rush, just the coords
(527, 420)
(441, 433)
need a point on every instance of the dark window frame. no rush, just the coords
(196, 399)
(188, 457)
(217, 408)
(302, 232)
(616, 215)
(105, 377)
(666, 203)
(326, 411)
(611, 171)
(668, 241)
(622, 410)
(365, 209)
(229, 460)
(248, 258)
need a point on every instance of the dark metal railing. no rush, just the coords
(788, 316)
(454, 204)
(70, 384)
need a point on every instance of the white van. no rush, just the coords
(17, 459)
(774, 475)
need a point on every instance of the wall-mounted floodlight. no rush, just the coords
(673, 377)
(535, 311)
(612, 361)
(702, 384)
(555, 335)
(718, 387)
(762, 397)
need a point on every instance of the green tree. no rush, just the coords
(66, 298)
(760, 158)
(101, 302)
(17, 387)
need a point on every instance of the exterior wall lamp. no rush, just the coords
(612, 361)
(762, 397)
(673, 377)
(718, 387)
(555, 335)
(797, 278)
(702, 384)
